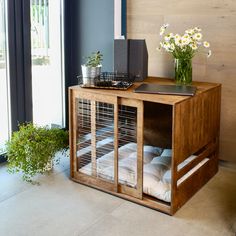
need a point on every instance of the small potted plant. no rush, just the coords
(92, 68)
(32, 149)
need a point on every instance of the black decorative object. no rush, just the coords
(131, 56)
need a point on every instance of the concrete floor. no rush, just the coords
(61, 207)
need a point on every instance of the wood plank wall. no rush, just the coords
(217, 18)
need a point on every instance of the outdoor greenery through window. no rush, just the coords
(47, 61)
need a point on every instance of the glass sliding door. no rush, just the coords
(4, 82)
(47, 61)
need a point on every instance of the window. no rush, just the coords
(47, 62)
(4, 82)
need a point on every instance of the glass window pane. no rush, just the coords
(4, 93)
(47, 70)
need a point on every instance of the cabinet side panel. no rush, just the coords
(195, 131)
(196, 124)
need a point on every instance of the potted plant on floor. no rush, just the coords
(32, 149)
(92, 68)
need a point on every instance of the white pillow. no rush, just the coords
(164, 160)
(147, 156)
(106, 173)
(86, 169)
(167, 177)
(124, 151)
(129, 162)
(157, 170)
(152, 186)
(167, 153)
(127, 176)
(105, 161)
(155, 150)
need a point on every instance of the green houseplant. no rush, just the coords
(92, 67)
(31, 150)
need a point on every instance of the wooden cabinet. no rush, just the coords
(106, 124)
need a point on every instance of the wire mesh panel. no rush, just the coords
(95, 147)
(127, 141)
(84, 132)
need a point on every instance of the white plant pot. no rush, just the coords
(89, 73)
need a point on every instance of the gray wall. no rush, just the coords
(89, 26)
(96, 30)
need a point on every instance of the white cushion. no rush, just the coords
(167, 153)
(155, 150)
(152, 186)
(167, 177)
(157, 170)
(126, 150)
(126, 176)
(105, 161)
(147, 156)
(129, 162)
(164, 160)
(86, 169)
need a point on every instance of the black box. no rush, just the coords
(131, 56)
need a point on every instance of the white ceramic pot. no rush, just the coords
(89, 73)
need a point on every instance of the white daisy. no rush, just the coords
(185, 41)
(186, 36)
(197, 36)
(197, 29)
(206, 44)
(177, 36)
(178, 42)
(166, 45)
(169, 36)
(189, 31)
(163, 28)
(209, 53)
(162, 31)
(194, 46)
(165, 25)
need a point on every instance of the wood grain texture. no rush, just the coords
(194, 122)
(72, 131)
(99, 94)
(199, 117)
(218, 22)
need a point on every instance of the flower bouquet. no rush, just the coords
(183, 48)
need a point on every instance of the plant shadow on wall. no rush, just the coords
(183, 48)
(32, 149)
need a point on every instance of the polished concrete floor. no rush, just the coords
(61, 207)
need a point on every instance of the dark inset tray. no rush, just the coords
(108, 80)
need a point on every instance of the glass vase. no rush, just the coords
(183, 71)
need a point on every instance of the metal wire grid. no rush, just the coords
(127, 133)
(104, 140)
(98, 141)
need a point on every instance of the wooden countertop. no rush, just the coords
(165, 99)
